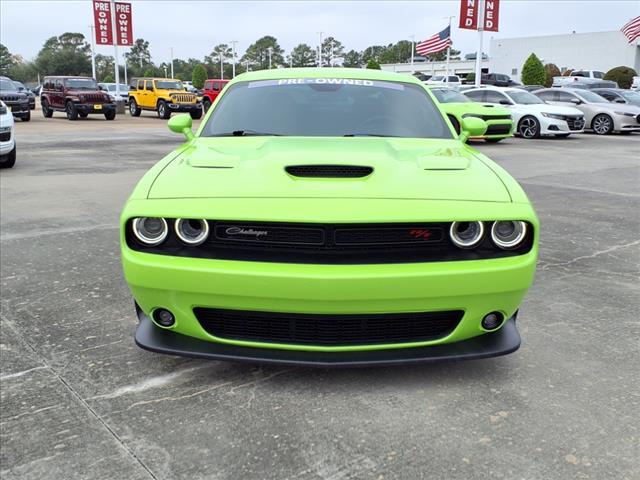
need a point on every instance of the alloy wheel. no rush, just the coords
(602, 124)
(528, 127)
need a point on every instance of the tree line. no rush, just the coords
(70, 54)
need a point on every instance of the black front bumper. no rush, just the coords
(155, 339)
(90, 107)
(18, 109)
(182, 107)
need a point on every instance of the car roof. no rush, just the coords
(315, 72)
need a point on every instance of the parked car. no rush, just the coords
(76, 96)
(212, 89)
(422, 76)
(30, 95)
(110, 89)
(583, 78)
(532, 116)
(164, 96)
(497, 80)
(619, 95)
(601, 116)
(635, 83)
(458, 107)
(310, 223)
(17, 102)
(7, 137)
(449, 80)
(530, 88)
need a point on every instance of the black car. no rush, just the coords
(30, 95)
(17, 101)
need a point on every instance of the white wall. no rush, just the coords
(436, 68)
(591, 51)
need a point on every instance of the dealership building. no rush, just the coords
(591, 51)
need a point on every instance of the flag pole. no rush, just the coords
(115, 49)
(413, 41)
(478, 79)
(93, 53)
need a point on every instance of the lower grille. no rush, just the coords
(5, 136)
(183, 98)
(94, 98)
(498, 129)
(327, 330)
(575, 123)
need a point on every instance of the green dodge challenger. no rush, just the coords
(328, 217)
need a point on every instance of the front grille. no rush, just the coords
(327, 330)
(5, 136)
(329, 171)
(314, 243)
(10, 98)
(94, 98)
(488, 117)
(498, 129)
(183, 98)
(575, 123)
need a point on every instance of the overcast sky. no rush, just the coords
(192, 28)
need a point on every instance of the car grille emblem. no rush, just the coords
(246, 231)
(420, 234)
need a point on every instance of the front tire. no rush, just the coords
(529, 127)
(8, 160)
(83, 115)
(27, 118)
(602, 124)
(196, 114)
(206, 104)
(163, 110)
(134, 109)
(110, 115)
(455, 123)
(47, 111)
(71, 110)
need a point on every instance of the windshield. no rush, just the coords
(450, 96)
(123, 87)
(80, 83)
(169, 85)
(7, 85)
(591, 97)
(524, 98)
(327, 107)
(633, 97)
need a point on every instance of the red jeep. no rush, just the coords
(212, 89)
(76, 96)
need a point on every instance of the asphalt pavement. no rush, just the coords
(80, 401)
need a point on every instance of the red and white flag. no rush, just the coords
(631, 29)
(440, 41)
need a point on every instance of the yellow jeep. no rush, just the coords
(163, 95)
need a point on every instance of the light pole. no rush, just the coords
(125, 68)
(165, 70)
(171, 51)
(270, 52)
(320, 49)
(93, 53)
(413, 42)
(246, 65)
(221, 65)
(112, 6)
(233, 58)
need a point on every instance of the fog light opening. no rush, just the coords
(163, 318)
(492, 321)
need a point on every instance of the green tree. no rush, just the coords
(108, 79)
(441, 56)
(150, 72)
(105, 67)
(302, 55)
(257, 55)
(533, 72)
(373, 65)
(213, 59)
(138, 57)
(7, 61)
(199, 76)
(622, 75)
(68, 54)
(332, 49)
(551, 70)
(352, 59)
(399, 52)
(373, 52)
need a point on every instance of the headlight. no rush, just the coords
(150, 230)
(466, 234)
(508, 234)
(553, 115)
(626, 114)
(192, 232)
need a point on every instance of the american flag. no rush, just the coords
(631, 29)
(437, 43)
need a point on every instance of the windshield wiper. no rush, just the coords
(367, 135)
(246, 133)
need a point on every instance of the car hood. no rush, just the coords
(244, 167)
(547, 108)
(618, 107)
(476, 108)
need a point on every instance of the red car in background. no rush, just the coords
(212, 89)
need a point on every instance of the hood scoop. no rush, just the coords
(329, 171)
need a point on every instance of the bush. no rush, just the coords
(373, 65)
(149, 73)
(623, 76)
(471, 77)
(552, 71)
(198, 76)
(567, 72)
(108, 79)
(533, 72)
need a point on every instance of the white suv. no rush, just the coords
(450, 80)
(532, 116)
(7, 138)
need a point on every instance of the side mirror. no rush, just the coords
(576, 101)
(619, 100)
(471, 127)
(182, 124)
(505, 102)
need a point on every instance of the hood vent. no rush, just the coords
(329, 171)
